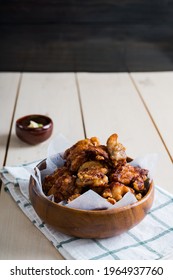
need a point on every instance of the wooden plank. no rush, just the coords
(54, 95)
(111, 104)
(8, 91)
(156, 91)
(50, 94)
(19, 238)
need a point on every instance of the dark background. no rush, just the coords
(86, 35)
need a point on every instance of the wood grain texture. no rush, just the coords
(8, 87)
(19, 238)
(156, 91)
(54, 95)
(89, 224)
(111, 104)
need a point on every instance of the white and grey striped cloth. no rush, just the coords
(152, 239)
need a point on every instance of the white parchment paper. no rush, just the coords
(90, 200)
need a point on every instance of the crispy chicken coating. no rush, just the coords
(62, 184)
(140, 179)
(50, 180)
(98, 153)
(138, 196)
(76, 155)
(127, 174)
(116, 191)
(92, 173)
(104, 169)
(95, 141)
(124, 174)
(138, 184)
(116, 150)
(72, 197)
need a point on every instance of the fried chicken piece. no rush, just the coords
(140, 181)
(133, 176)
(124, 174)
(139, 184)
(116, 150)
(95, 141)
(128, 174)
(92, 173)
(98, 189)
(72, 197)
(138, 196)
(98, 153)
(119, 190)
(90, 165)
(107, 193)
(116, 191)
(111, 200)
(143, 173)
(49, 180)
(82, 144)
(76, 155)
(62, 183)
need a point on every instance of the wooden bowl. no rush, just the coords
(34, 135)
(89, 223)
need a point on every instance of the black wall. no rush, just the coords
(86, 35)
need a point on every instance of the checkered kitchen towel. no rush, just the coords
(150, 240)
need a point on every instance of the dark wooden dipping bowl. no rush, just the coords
(89, 223)
(37, 135)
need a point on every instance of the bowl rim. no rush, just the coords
(30, 116)
(93, 212)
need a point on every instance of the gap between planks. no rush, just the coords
(80, 104)
(12, 118)
(150, 115)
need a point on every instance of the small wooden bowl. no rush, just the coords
(36, 135)
(89, 223)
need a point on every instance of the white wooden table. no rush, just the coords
(137, 106)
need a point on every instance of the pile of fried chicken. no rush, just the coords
(103, 168)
